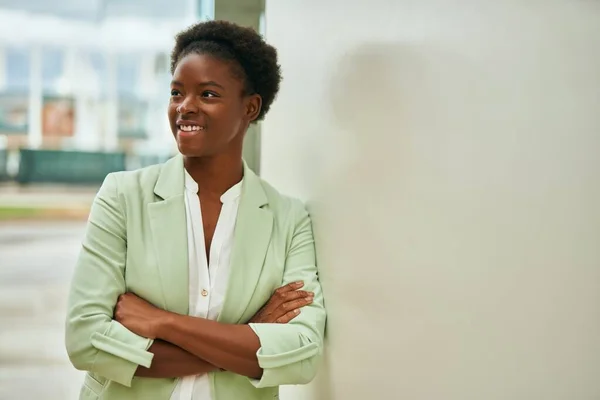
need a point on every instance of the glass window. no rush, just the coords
(99, 65)
(53, 63)
(17, 69)
(127, 74)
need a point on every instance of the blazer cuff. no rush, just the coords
(282, 354)
(121, 352)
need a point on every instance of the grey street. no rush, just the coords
(36, 262)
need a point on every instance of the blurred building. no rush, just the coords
(94, 76)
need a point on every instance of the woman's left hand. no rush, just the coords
(284, 305)
(139, 316)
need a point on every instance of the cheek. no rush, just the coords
(172, 111)
(225, 118)
(230, 128)
(235, 117)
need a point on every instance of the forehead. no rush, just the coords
(196, 68)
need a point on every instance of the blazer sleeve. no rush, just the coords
(290, 353)
(94, 341)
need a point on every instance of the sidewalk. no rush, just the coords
(45, 201)
(37, 261)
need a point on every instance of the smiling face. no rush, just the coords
(209, 111)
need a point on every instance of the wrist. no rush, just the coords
(164, 325)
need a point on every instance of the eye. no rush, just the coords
(209, 94)
(175, 92)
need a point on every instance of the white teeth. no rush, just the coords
(189, 128)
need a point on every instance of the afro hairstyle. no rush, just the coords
(253, 60)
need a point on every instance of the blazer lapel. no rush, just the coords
(251, 239)
(169, 231)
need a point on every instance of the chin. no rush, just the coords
(191, 148)
(187, 152)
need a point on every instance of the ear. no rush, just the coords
(253, 106)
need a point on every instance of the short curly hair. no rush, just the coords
(255, 61)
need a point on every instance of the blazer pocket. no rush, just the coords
(92, 388)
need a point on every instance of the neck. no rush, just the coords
(217, 174)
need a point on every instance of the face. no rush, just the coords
(208, 111)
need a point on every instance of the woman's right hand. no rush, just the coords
(284, 305)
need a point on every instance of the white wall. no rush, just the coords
(450, 155)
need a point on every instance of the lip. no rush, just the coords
(186, 122)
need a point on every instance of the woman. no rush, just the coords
(197, 280)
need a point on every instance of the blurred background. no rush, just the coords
(84, 88)
(448, 152)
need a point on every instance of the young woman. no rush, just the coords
(197, 280)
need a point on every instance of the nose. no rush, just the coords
(187, 106)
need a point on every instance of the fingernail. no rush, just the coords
(296, 311)
(299, 283)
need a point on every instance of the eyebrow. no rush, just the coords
(207, 83)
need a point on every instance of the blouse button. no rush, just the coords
(204, 292)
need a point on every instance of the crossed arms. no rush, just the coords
(186, 345)
(277, 353)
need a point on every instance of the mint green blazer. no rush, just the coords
(136, 241)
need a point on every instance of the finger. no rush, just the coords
(290, 287)
(274, 304)
(296, 294)
(280, 298)
(286, 307)
(298, 303)
(287, 317)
